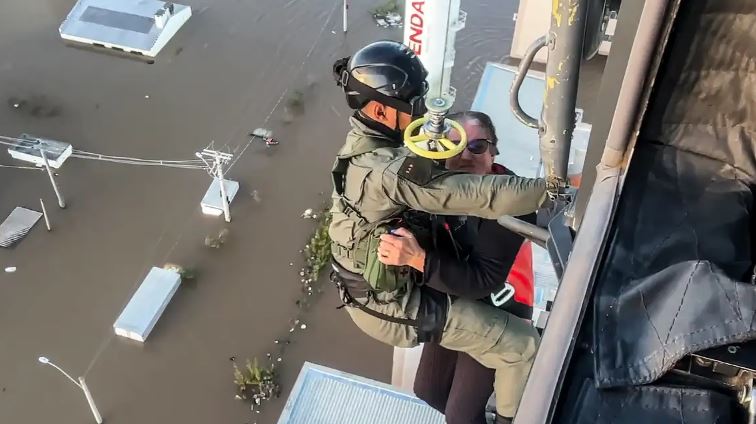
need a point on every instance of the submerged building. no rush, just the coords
(140, 27)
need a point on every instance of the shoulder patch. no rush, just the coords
(417, 170)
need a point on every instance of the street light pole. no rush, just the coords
(90, 400)
(80, 384)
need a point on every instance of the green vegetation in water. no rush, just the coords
(186, 273)
(256, 383)
(293, 106)
(390, 6)
(295, 100)
(318, 251)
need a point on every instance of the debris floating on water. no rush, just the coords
(262, 133)
(307, 214)
(216, 241)
(17, 225)
(178, 269)
(10, 269)
(388, 20)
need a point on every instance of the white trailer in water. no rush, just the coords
(140, 27)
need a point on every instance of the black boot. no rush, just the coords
(503, 420)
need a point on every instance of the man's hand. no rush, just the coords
(401, 248)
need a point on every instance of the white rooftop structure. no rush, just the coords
(29, 149)
(146, 305)
(141, 27)
(212, 202)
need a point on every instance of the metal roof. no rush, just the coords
(323, 395)
(147, 304)
(28, 148)
(130, 25)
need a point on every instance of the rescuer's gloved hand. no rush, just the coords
(380, 276)
(549, 209)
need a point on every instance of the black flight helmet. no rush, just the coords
(387, 72)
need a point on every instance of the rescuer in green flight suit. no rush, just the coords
(378, 186)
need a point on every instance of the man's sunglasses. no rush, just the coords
(479, 146)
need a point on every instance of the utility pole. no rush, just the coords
(219, 159)
(224, 197)
(346, 7)
(44, 213)
(61, 201)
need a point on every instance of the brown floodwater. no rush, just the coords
(231, 69)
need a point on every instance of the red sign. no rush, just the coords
(417, 26)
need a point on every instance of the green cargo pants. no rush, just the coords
(496, 339)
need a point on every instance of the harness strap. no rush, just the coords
(348, 300)
(413, 107)
(342, 251)
(338, 173)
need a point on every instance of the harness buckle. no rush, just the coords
(502, 296)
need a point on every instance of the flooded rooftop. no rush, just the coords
(143, 27)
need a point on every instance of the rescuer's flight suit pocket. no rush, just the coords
(382, 277)
(354, 184)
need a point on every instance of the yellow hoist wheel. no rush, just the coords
(451, 148)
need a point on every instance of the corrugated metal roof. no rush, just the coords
(17, 225)
(323, 395)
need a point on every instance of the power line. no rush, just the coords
(81, 153)
(11, 141)
(125, 160)
(286, 90)
(21, 167)
(143, 162)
